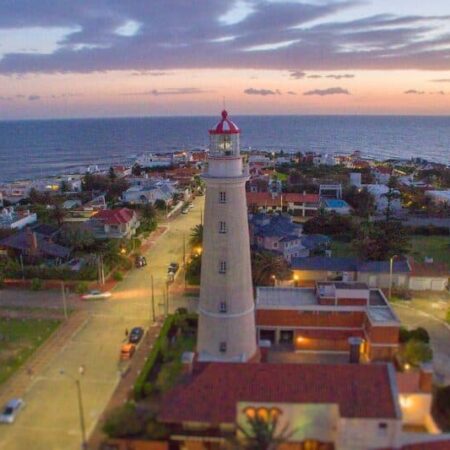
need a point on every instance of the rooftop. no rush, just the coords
(285, 298)
(211, 395)
(115, 216)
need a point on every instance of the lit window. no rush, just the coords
(222, 227)
(223, 347)
(223, 267)
(223, 307)
(222, 197)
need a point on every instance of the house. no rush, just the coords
(327, 318)
(114, 223)
(12, 219)
(379, 192)
(299, 205)
(326, 407)
(149, 193)
(277, 233)
(428, 276)
(439, 197)
(34, 247)
(374, 273)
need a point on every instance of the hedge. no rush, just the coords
(139, 386)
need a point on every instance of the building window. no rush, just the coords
(223, 308)
(222, 227)
(223, 347)
(223, 267)
(382, 428)
(222, 197)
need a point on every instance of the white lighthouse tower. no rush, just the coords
(226, 311)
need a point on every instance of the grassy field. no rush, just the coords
(19, 338)
(438, 247)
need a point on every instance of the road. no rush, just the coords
(50, 420)
(413, 317)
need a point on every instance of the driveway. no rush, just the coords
(50, 421)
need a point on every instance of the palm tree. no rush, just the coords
(268, 266)
(196, 238)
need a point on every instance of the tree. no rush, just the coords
(136, 170)
(196, 237)
(58, 214)
(417, 352)
(379, 241)
(65, 187)
(112, 175)
(330, 224)
(77, 238)
(160, 204)
(361, 200)
(116, 189)
(266, 265)
(391, 195)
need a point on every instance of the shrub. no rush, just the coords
(125, 264)
(420, 334)
(36, 284)
(441, 407)
(81, 287)
(156, 431)
(117, 276)
(124, 421)
(404, 335)
(417, 352)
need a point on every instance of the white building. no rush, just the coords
(379, 192)
(148, 194)
(149, 161)
(16, 220)
(226, 329)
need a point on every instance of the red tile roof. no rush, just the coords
(441, 443)
(211, 394)
(266, 199)
(115, 216)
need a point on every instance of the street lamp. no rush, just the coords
(295, 280)
(274, 278)
(80, 405)
(391, 266)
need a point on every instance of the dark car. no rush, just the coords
(173, 267)
(140, 261)
(135, 335)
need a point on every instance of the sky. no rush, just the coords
(115, 58)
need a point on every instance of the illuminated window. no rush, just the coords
(222, 227)
(222, 197)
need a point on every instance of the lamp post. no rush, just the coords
(84, 444)
(391, 266)
(296, 280)
(274, 278)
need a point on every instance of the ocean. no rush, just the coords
(31, 149)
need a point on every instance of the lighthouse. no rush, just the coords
(226, 309)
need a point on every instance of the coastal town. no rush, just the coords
(221, 298)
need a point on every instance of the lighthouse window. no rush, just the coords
(222, 227)
(222, 197)
(223, 267)
(223, 307)
(223, 347)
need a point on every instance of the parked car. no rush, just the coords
(135, 335)
(96, 295)
(173, 267)
(127, 351)
(11, 409)
(140, 261)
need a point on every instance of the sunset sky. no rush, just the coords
(105, 58)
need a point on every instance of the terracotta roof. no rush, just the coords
(441, 443)
(434, 269)
(408, 382)
(211, 394)
(266, 199)
(225, 126)
(115, 216)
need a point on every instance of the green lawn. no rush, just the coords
(281, 176)
(19, 338)
(438, 247)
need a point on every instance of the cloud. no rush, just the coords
(33, 98)
(291, 93)
(314, 76)
(310, 34)
(441, 80)
(149, 73)
(414, 92)
(340, 76)
(262, 92)
(297, 75)
(329, 91)
(171, 91)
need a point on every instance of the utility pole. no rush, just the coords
(184, 258)
(153, 300)
(63, 293)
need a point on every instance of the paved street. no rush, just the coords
(413, 316)
(50, 420)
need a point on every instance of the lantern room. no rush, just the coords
(224, 137)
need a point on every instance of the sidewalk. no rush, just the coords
(124, 389)
(20, 381)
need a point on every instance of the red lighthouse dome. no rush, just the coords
(225, 126)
